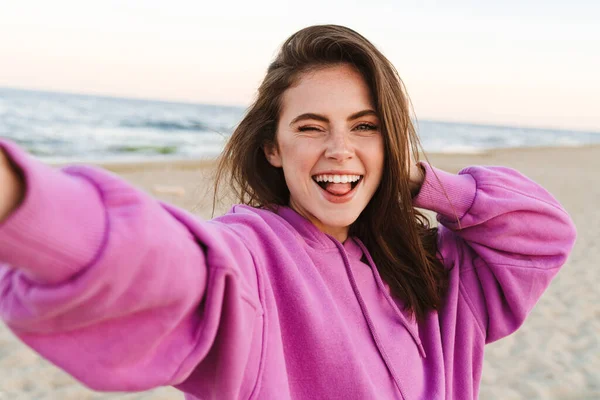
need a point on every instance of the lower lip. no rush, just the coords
(339, 199)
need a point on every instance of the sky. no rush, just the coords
(526, 63)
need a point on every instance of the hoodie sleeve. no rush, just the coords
(123, 292)
(507, 234)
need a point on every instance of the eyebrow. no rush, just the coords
(323, 118)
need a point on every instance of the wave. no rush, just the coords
(167, 125)
(145, 149)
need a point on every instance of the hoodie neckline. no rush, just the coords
(313, 236)
(354, 247)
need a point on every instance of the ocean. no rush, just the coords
(61, 127)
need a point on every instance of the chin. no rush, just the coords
(338, 219)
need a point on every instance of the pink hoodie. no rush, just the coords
(126, 293)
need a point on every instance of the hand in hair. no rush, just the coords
(416, 178)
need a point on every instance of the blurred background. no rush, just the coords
(514, 83)
(126, 80)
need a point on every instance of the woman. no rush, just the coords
(324, 283)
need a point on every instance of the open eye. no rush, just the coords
(366, 127)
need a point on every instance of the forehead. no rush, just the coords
(333, 90)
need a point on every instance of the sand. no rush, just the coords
(555, 355)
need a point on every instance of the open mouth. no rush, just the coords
(337, 185)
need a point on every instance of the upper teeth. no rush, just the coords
(337, 178)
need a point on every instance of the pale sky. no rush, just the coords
(533, 64)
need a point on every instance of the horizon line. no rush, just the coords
(238, 106)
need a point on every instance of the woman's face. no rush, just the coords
(330, 147)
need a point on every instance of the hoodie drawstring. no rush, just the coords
(391, 301)
(363, 307)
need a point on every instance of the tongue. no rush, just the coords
(339, 189)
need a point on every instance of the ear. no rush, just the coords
(272, 154)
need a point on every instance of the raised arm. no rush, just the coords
(123, 292)
(509, 241)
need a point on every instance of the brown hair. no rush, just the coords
(397, 235)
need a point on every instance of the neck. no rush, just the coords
(338, 233)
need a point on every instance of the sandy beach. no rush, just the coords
(555, 355)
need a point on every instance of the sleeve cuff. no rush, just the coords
(60, 226)
(460, 189)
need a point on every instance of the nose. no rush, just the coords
(338, 147)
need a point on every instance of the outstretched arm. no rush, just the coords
(123, 292)
(12, 187)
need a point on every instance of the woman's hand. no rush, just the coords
(416, 179)
(12, 187)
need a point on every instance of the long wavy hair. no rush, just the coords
(399, 238)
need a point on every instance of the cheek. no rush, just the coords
(373, 153)
(300, 158)
(380, 154)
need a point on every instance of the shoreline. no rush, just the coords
(123, 165)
